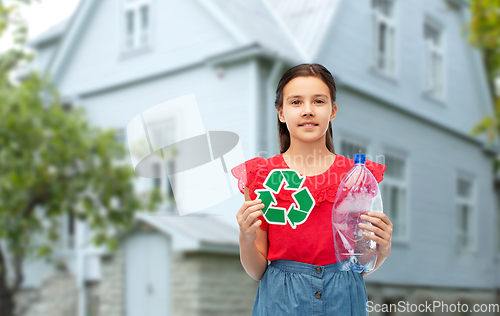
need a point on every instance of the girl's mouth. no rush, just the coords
(308, 126)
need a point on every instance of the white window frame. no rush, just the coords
(401, 230)
(472, 218)
(434, 85)
(160, 127)
(378, 18)
(66, 240)
(135, 6)
(355, 142)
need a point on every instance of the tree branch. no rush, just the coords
(3, 273)
(17, 263)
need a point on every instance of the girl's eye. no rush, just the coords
(294, 101)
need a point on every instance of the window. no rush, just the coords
(434, 66)
(394, 188)
(350, 147)
(137, 24)
(165, 134)
(384, 29)
(465, 213)
(67, 227)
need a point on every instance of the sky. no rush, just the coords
(43, 15)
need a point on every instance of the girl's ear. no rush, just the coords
(280, 115)
(334, 112)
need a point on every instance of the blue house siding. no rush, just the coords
(347, 49)
(186, 33)
(435, 157)
(432, 135)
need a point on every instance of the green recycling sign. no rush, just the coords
(299, 211)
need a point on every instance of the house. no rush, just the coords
(409, 90)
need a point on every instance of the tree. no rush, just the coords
(485, 35)
(53, 163)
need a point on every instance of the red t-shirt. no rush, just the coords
(312, 241)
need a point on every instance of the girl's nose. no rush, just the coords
(307, 110)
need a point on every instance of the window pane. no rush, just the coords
(402, 213)
(465, 219)
(144, 17)
(432, 33)
(129, 34)
(381, 45)
(374, 40)
(439, 79)
(386, 199)
(394, 203)
(391, 49)
(384, 7)
(459, 218)
(144, 24)
(395, 167)
(464, 188)
(348, 149)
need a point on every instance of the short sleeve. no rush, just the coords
(251, 174)
(248, 172)
(376, 169)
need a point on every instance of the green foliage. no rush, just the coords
(54, 162)
(485, 35)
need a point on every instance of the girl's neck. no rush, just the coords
(308, 158)
(309, 150)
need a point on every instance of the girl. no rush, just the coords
(303, 276)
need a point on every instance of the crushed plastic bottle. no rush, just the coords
(358, 194)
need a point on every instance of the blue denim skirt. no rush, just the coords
(296, 288)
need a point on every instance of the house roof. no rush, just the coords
(257, 21)
(306, 21)
(194, 232)
(262, 26)
(52, 33)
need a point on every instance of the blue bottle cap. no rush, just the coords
(359, 158)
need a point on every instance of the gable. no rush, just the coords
(307, 21)
(262, 25)
(92, 57)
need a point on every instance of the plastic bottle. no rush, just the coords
(358, 194)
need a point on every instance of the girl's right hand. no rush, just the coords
(247, 216)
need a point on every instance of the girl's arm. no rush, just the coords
(253, 255)
(382, 227)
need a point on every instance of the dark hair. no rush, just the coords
(303, 70)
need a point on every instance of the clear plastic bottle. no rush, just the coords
(358, 194)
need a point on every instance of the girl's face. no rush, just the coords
(307, 99)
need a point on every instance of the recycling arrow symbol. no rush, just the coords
(299, 211)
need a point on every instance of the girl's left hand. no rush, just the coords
(382, 229)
